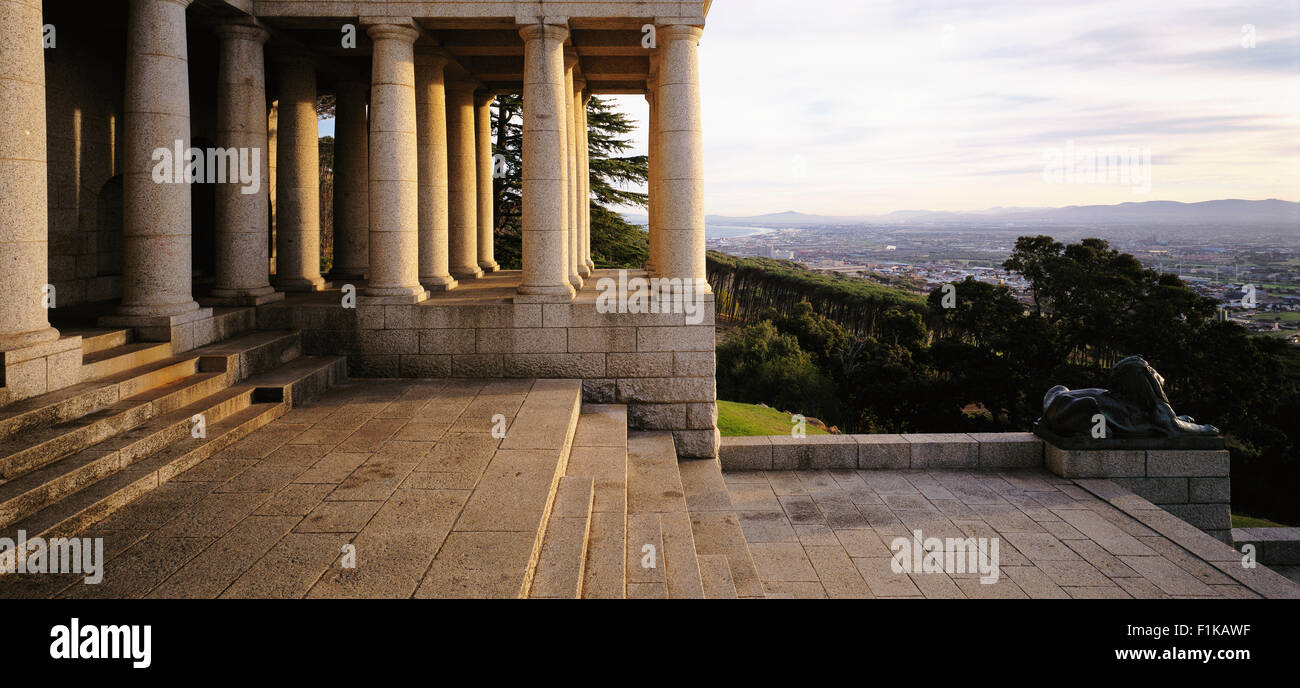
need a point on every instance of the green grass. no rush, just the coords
(744, 420)
(1243, 521)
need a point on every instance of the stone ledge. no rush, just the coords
(1273, 546)
(989, 451)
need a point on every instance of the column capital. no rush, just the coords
(483, 97)
(541, 31)
(579, 83)
(392, 30)
(243, 28)
(570, 57)
(679, 32)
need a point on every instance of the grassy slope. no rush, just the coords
(743, 420)
(1241, 521)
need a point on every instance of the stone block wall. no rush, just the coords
(970, 451)
(1192, 484)
(659, 365)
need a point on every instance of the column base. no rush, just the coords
(38, 368)
(392, 295)
(26, 339)
(156, 310)
(489, 266)
(560, 293)
(241, 297)
(435, 284)
(467, 272)
(591, 264)
(584, 271)
(300, 284)
(576, 281)
(185, 331)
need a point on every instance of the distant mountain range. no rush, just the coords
(1271, 212)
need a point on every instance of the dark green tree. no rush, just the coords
(614, 242)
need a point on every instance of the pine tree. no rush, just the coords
(614, 242)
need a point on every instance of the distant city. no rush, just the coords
(1243, 254)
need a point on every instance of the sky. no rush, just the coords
(864, 107)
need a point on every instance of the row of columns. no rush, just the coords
(424, 147)
(556, 259)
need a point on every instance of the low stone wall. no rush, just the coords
(1273, 546)
(1192, 484)
(659, 365)
(819, 452)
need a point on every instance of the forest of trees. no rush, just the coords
(983, 365)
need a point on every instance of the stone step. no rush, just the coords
(600, 453)
(118, 359)
(231, 321)
(716, 527)
(302, 379)
(495, 545)
(250, 354)
(654, 487)
(39, 447)
(84, 398)
(78, 511)
(564, 550)
(96, 340)
(38, 489)
(646, 578)
(715, 574)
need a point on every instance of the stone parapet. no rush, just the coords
(991, 451)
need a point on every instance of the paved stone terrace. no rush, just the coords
(817, 534)
(388, 465)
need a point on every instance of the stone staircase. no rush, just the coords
(140, 416)
(630, 521)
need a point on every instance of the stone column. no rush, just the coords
(431, 132)
(243, 218)
(652, 150)
(462, 181)
(156, 116)
(394, 170)
(571, 166)
(582, 206)
(483, 147)
(545, 252)
(585, 159)
(297, 231)
(24, 222)
(680, 213)
(351, 180)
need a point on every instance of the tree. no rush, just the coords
(1031, 258)
(614, 242)
(760, 364)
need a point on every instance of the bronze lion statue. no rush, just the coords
(1134, 406)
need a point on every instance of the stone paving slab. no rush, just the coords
(381, 488)
(818, 534)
